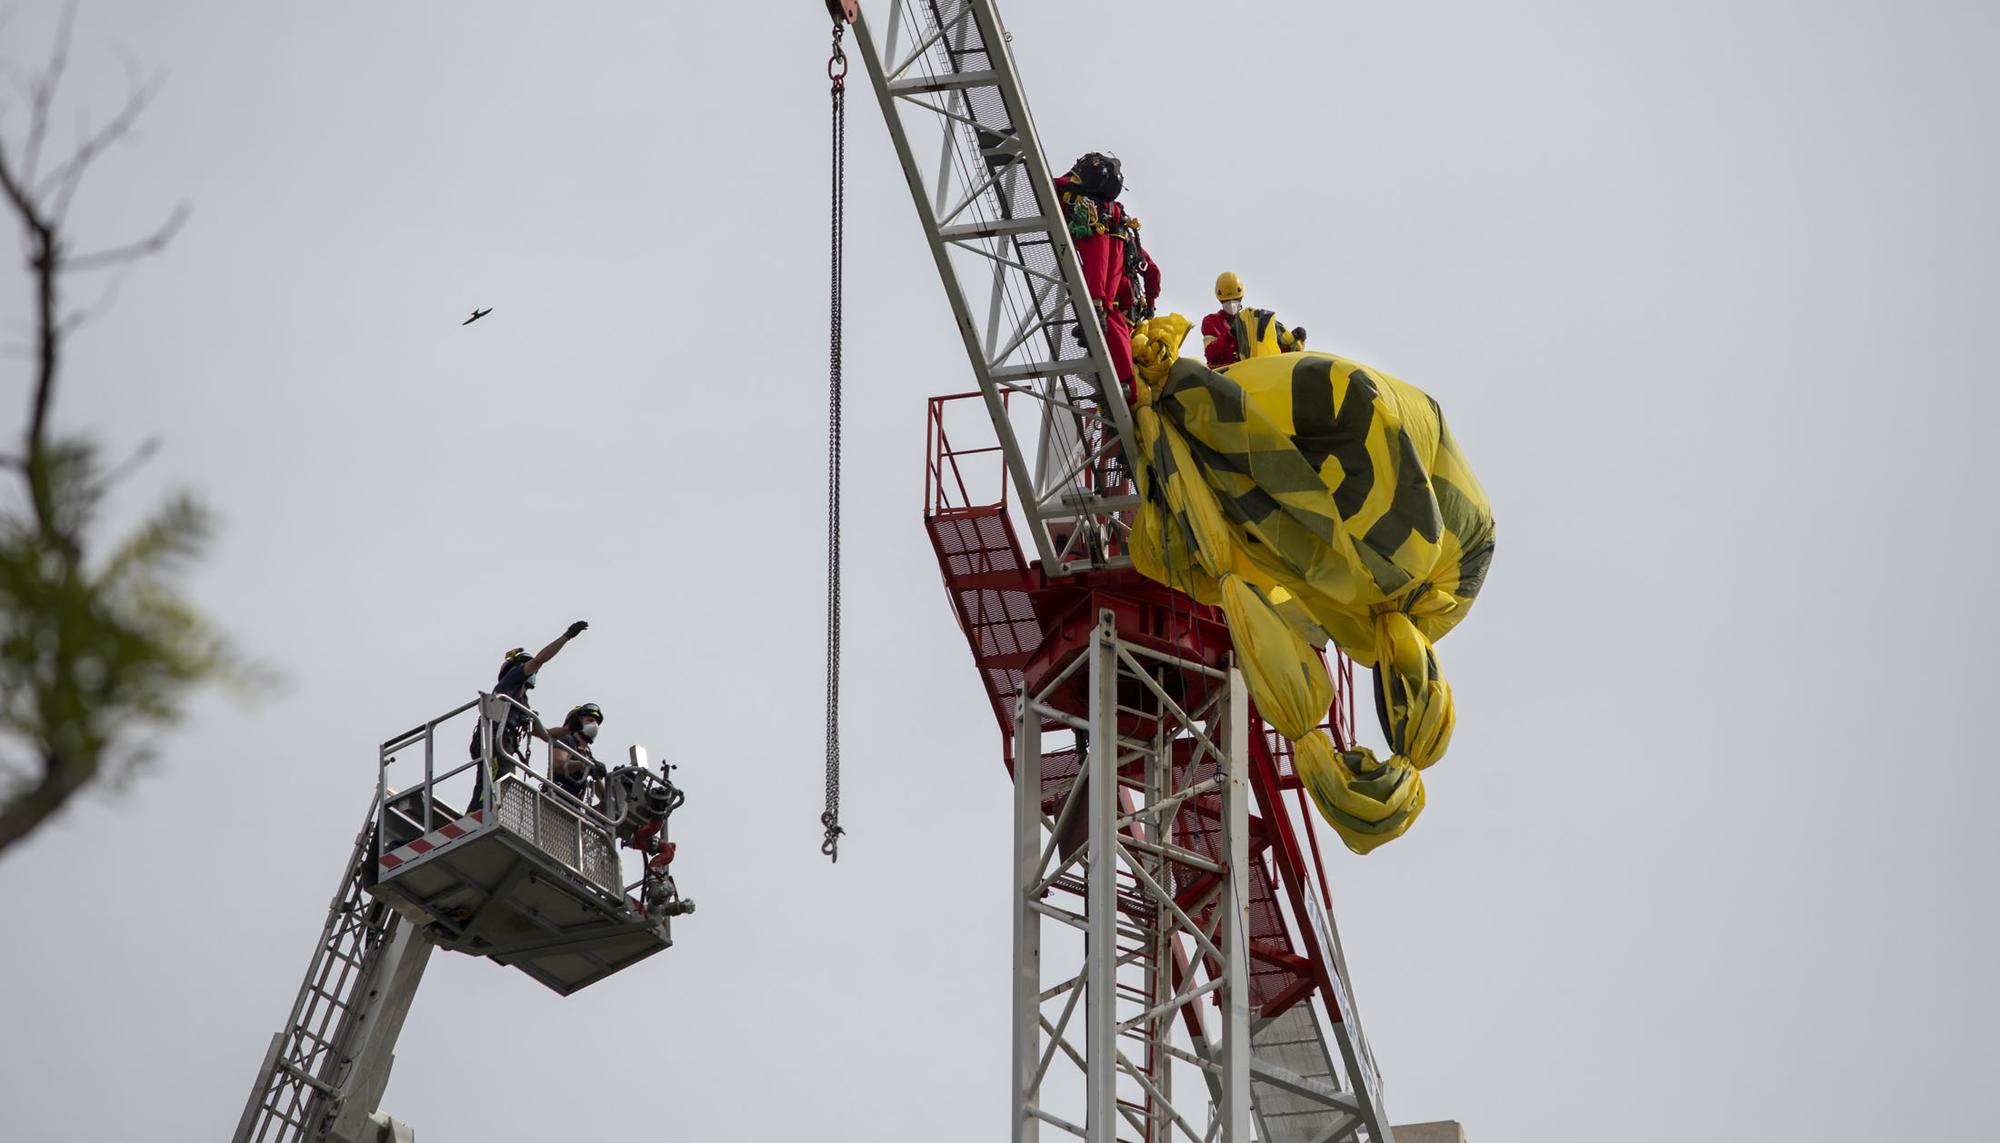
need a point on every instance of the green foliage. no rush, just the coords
(96, 657)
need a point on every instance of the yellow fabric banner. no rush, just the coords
(1315, 499)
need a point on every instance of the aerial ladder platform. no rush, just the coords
(481, 855)
(1176, 968)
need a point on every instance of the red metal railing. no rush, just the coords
(997, 599)
(945, 487)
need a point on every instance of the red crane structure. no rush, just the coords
(1176, 969)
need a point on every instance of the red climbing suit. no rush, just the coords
(1101, 231)
(1103, 258)
(1228, 338)
(1218, 339)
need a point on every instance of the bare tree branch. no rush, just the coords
(107, 297)
(45, 94)
(43, 254)
(18, 197)
(65, 178)
(18, 80)
(117, 255)
(147, 450)
(42, 220)
(25, 810)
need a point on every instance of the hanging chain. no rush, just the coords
(836, 70)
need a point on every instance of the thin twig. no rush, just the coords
(147, 450)
(107, 297)
(65, 178)
(19, 81)
(43, 259)
(45, 95)
(153, 244)
(16, 190)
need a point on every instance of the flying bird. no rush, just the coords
(476, 315)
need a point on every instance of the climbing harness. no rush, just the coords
(836, 70)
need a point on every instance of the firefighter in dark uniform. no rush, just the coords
(518, 673)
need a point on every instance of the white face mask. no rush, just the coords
(1232, 308)
(589, 730)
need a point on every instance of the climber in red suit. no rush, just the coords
(1120, 276)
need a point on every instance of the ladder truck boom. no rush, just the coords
(531, 878)
(328, 1068)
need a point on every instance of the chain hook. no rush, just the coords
(836, 70)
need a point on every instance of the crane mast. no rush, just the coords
(1176, 971)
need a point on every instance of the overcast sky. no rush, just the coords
(1705, 290)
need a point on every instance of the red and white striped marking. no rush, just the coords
(433, 839)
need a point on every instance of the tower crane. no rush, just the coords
(1176, 967)
(532, 878)
(1176, 970)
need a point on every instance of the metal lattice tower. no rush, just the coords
(1159, 875)
(1183, 1011)
(1176, 970)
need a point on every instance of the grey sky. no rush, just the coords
(1704, 289)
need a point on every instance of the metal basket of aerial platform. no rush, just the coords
(516, 868)
(473, 851)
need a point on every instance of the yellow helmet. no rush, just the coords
(1228, 287)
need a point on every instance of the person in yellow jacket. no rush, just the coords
(1234, 333)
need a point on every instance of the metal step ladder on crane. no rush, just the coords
(1166, 864)
(532, 879)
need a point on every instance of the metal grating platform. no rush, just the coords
(530, 887)
(989, 583)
